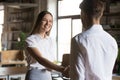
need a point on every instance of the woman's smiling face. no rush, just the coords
(46, 23)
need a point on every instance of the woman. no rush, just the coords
(40, 48)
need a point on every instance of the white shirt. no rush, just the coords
(93, 54)
(44, 45)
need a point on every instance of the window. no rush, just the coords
(1, 15)
(1, 24)
(68, 7)
(69, 24)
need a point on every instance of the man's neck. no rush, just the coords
(86, 27)
(96, 21)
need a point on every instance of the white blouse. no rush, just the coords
(93, 54)
(44, 45)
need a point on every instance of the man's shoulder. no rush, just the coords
(80, 35)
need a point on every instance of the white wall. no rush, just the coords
(52, 7)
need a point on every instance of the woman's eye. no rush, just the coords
(51, 21)
(44, 20)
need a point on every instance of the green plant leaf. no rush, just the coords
(21, 43)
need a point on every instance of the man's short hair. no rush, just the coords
(93, 8)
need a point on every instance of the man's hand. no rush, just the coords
(66, 72)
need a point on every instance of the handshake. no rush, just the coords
(65, 73)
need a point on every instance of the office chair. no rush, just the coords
(65, 63)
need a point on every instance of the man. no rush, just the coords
(94, 51)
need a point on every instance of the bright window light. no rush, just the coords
(64, 37)
(1, 16)
(77, 27)
(68, 26)
(69, 7)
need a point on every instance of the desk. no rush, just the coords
(11, 57)
(12, 72)
(13, 63)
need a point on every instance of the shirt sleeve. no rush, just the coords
(77, 68)
(31, 42)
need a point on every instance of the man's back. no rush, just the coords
(93, 54)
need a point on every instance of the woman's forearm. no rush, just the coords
(43, 61)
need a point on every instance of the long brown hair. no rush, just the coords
(38, 22)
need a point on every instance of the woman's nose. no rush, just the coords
(47, 22)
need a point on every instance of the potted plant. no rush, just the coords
(21, 43)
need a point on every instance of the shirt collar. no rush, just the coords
(42, 37)
(96, 27)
